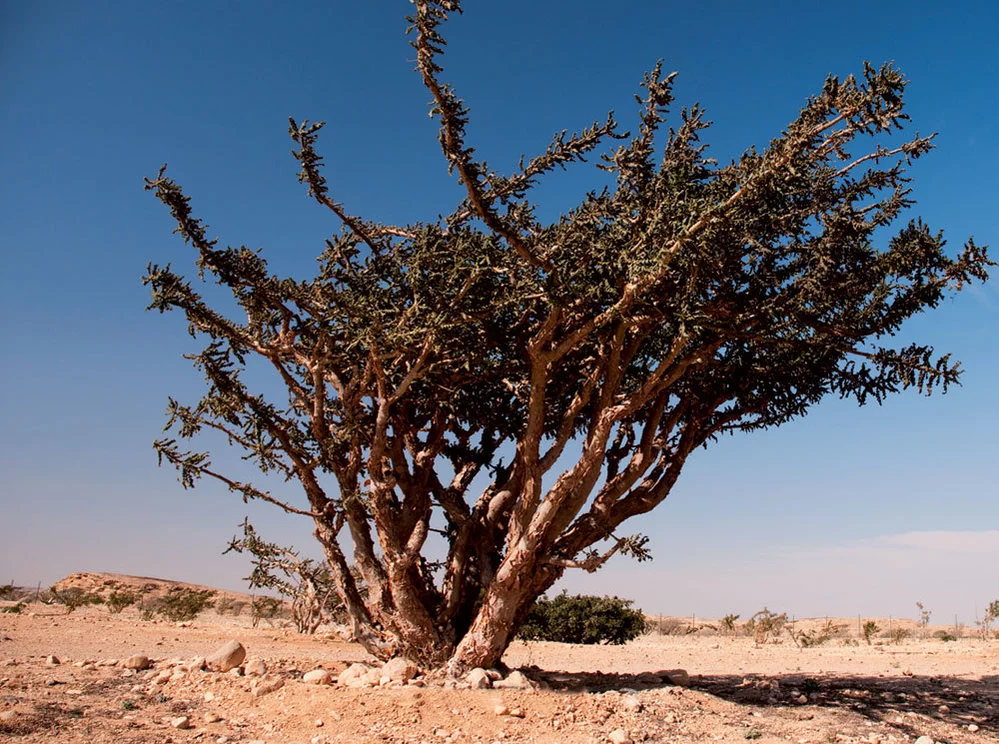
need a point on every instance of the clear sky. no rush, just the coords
(847, 511)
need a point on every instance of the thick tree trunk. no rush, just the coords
(519, 581)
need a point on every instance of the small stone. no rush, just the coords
(212, 718)
(399, 669)
(137, 662)
(972, 727)
(500, 709)
(318, 677)
(516, 713)
(319, 723)
(318, 739)
(209, 696)
(944, 709)
(52, 661)
(8, 715)
(355, 675)
(267, 685)
(924, 740)
(478, 679)
(802, 699)
(619, 736)
(631, 704)
(254, 668)
(227, 658)
(514, 681)
(181, 723)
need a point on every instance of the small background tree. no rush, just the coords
(308, 584)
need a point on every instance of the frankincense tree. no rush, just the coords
(685, 300)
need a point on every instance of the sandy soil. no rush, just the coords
(738, 692)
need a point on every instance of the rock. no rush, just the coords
(972, 727)
(802, 699)
(266, 685)
(137, 662)
(399, 669)
(478, 679)
(355, 675)
(230, 656)
(631, 704)
(516, 713)
(514, 681)
(318, 739)
(212, 718)
(181, 723)
(196, 664)
(944, 709)
(52, 661)
(8, 715)
(500, 709)
(318, 677)
(619, 736)
(255, 668)
(924, 740)
(678, 677)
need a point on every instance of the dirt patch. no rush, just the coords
(838, 692)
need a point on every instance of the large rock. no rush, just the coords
(478, 678)
(230, 656)
(619, 736)
(678, 677)
(514, 681)
(399, 669)
(318, 677)
(355, 675)
(137, 662)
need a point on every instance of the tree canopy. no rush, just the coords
(685, 300)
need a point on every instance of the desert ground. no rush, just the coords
(92, 676)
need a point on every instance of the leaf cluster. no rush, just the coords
(583, 619)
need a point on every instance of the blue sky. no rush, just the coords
(878, 506)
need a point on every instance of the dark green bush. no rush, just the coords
(583, 619)
(119, 599)
(184, 604)
(74, 598)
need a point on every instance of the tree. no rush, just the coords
(684, 301)
(308, 584)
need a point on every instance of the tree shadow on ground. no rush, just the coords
(950, 700)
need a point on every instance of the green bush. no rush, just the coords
(180, 605)
(74, 598)
(583, 619)
(118, 600)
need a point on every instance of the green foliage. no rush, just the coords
(989, 620)
(870, 630)
(75, 598)
(129, 705)
(14, 609)
(944, 636)
(728, 622)
(119, 599)
(924, 615)
(817, 636)
(7, 591)
(766, 626)
(686, 300)
(182, 604)
(583, 619)
(307, 583)
(898, 635)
